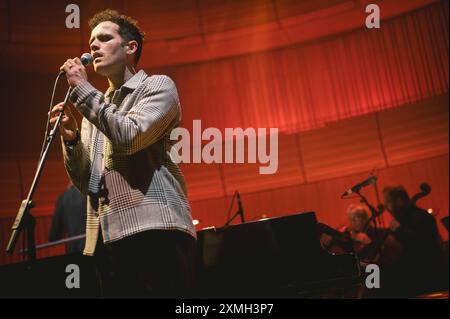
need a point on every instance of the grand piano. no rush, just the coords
(275, 257)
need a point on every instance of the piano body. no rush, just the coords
(276, 257)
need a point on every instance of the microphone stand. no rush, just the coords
(375, 214)
(379, 205)
(25, 221)
(55, 243)
(240, 211)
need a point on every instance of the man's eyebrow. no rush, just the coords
(98, 35)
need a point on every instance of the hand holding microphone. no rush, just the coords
(74, 69)
(75, 73)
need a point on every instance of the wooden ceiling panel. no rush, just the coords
(342, 148)
(289, 8)
(416, 131)
(184, 31)
(165, 20)
(219, 15)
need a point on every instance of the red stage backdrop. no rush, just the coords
(347, 102)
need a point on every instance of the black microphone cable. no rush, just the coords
(86, 59)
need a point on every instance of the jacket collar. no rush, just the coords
(132, 82)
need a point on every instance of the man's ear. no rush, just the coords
(131, 47)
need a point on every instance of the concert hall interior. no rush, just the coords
(349, 102)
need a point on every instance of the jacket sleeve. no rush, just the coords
(77, 159)
(154, 113)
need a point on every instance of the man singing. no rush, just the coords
(139, 223)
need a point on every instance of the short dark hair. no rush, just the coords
(391, 193)
(128, 28)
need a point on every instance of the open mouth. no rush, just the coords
(96, 57)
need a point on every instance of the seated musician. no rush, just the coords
(357, 236)
(419, 266)
(358, 226)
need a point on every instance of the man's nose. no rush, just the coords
(94, 46)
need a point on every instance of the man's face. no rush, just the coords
(107, 48)
(357, 222)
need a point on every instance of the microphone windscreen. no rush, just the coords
(86, 58)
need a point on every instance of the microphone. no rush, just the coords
(357, 187)
(86, 59)
(241, 210)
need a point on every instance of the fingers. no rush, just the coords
(77, 61)
(70, 63)
(56, 111)
(59, 107)
(64, 120)
(66, 66)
